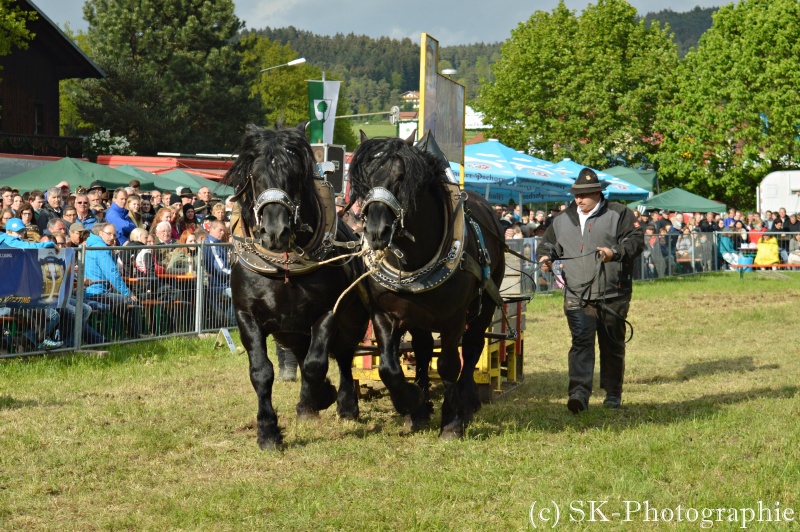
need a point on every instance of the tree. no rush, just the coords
(13, 30)
(71, 123)
(282, 93)
(736, 114)
(585, 88)
(173, 78)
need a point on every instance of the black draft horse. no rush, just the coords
(406, 198)
(280, 206)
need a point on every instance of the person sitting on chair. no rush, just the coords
(767, 251)
(101, 266)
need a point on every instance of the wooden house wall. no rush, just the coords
(28, 81)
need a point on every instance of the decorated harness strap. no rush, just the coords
(441, 267)
(253, 256)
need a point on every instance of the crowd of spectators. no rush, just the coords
(677, 242)
(152, 239)
(132, 262)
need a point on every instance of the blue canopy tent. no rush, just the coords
(617, 188)
(500, 174)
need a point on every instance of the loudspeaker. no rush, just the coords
(334, 153)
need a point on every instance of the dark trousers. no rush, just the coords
(587, 323)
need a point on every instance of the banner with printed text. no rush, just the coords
(35, 278)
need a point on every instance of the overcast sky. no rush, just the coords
(450, 21)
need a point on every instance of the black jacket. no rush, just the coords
(613, 226)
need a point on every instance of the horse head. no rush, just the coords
(389, 175)
(273, 180)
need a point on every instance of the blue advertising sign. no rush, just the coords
(35, 278)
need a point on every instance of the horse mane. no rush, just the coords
(422, 169)
(278, 157)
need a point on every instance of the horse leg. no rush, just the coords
(317, 393)
(422, 343)
(452, 427)
(347, 399)
(472, 345)
(471, 349)
(406, 396)
(261, 376)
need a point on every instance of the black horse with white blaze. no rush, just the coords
(437, 258)
(286, 227)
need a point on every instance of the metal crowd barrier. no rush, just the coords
(174, 302)
(660, 259)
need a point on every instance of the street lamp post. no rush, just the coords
(293, 62)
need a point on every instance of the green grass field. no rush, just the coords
(373, 128)
(382, 128)
(161, 436)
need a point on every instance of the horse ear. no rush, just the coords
(411, 138)
(422, 144)
(364, 137)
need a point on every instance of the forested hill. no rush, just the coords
(377, 71)
(688, 27)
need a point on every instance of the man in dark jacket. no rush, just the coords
(597, 242)
(51, 209)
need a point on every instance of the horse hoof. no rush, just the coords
(451, 435)
(348, 416)
(270, 445)
(414, 423)
(307, 415)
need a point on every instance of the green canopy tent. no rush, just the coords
(159, 181)
(194, 182)
(76, 172)
(136, 173)
(646, 179)
(680, 200)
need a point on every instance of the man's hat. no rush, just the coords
(15, 224)
(199, 206)
(81, 190)
(96, 185)
(587, 183)
(174, 198)
(77, 226)
(186, 192)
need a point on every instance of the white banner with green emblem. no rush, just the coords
(322, 98)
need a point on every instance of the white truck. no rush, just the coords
(779, 189)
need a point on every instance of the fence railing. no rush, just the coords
(178, 295)
(667, 255)
(176, 292)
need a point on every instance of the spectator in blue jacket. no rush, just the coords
(218, 267)
(14, 237)
(117, 215)
(101, 269)
(85, 214)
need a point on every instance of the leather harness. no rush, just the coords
(255, 257)
(449, 258)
